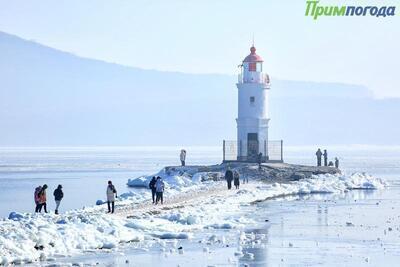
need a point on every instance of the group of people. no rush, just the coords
(233, 176)
(319, 155)
(157, 187)
(41, 198)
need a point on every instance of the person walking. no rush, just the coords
(182, 157)
(229, 177)
(336, 163)
(152, 186)
(111, 195)
(159, 190)
(43, 199)
(58, 195)
(325, 158)
(236, 179)
(319, 156)
(37, 199)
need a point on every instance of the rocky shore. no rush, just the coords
(272, 172)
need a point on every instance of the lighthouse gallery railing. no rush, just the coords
(262, 78)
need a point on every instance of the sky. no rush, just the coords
(213, 36)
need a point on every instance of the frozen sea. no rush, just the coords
(352, 229)
(83, 172)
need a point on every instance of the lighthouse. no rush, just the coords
(253, 116)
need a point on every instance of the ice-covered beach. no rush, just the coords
(209, 223)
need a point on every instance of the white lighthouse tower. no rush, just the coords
(252, 121)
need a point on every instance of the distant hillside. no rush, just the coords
(49, 97)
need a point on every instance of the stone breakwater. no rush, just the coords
(272, 172)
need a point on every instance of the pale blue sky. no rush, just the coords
(214, 36)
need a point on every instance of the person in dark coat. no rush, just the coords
(229, 177)
(325, 158)
(319, 156)
(58, 195)
(182, 157)
(259, 160)
(336, 163)
(152, 186)
(236, 179)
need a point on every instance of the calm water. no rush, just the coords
(84, 172)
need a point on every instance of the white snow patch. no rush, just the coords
(31, 237)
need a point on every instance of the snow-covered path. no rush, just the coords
(181, 200)
(191, 205)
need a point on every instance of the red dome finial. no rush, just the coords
(253, 57)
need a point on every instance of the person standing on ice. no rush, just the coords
(111, 195)
(159, 190)
(58, 195)
(229, 177)
(43, 199)
(319, 156)
(152, 186)
(37, 199)
(182, 157)
(336, 163)
(325, 158)
(236, 179)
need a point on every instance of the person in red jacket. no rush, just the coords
(36, 197)
(43, 199)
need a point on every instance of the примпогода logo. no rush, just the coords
(315, 10)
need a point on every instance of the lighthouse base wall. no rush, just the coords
(252, 139)
(234, 150)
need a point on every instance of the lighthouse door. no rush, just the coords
(252, 146)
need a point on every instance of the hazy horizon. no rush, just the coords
(50, 97)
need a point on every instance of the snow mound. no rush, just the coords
(177, 177)
(16, 216)
(142, 181)
(31, 237)
(100, 202)
(328, 183)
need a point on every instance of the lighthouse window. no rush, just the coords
(259, 67)
(252, 66)
(252, 100)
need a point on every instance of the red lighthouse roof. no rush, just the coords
(253, 57)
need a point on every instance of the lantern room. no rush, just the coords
(251, 70)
